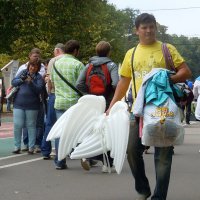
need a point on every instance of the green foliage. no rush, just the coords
(25, 24)
(4, 59)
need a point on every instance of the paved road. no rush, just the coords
(28, 177)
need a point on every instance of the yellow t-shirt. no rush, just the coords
(147, 57)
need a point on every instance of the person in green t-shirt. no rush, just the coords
(65, 97)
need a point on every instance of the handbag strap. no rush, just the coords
(133, 72)
(67, 82)
(168, 58)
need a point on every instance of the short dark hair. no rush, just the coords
(71, 45)
(35, 63)
(103, 48)
(144, 18)
(35, 50)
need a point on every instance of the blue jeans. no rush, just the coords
(57, 162)
(25, 136)
(39, 128)
(50, 120)
(162, 161)
(21, 119)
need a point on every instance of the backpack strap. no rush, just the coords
(168, 58)
(88, 72)
(106, 73)
(133, 72)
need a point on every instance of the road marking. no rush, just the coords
(13, 156)
(6, 138)
(20, 163)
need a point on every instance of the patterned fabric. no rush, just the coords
(70, 69)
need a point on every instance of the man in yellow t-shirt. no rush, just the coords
(148, 55)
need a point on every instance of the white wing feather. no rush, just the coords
(108, 133)
(90, 106)
(85, 123)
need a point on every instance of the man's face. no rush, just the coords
(34, 56)
(147, 33)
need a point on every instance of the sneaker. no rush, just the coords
(46, 157)
(61, 167)
(142, 196)
(37, 150)
(93, 162)
(25, 148)
(85, 164)
(30, 151)
(17, 151)
(105, 169)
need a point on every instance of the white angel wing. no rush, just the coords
(108, 133)
(79, 123)
(92, 144)
(57, 129)
(118, 124)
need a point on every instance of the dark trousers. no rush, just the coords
(188, 112)
(162, 161)
(50, 120)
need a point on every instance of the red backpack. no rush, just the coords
(98, 79)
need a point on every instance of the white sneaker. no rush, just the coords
(106, 169)
(142, 197)
(37, 150)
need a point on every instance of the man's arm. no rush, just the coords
(182, 74)
(120, 91)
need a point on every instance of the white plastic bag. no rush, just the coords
(162, 125)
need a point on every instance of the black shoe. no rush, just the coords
(93, 162)
(25, 149)
(18, 151)
(30, 152)
(61, 167)
(46, 157)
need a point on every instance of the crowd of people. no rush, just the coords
(44, 95)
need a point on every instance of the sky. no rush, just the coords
(181, 18)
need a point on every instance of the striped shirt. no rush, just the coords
(69, 67)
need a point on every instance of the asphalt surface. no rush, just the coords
(29, 177)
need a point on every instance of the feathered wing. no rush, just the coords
(92, 144)
(59, 127)
(118, 128)
(79, 123)
(107, 133)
